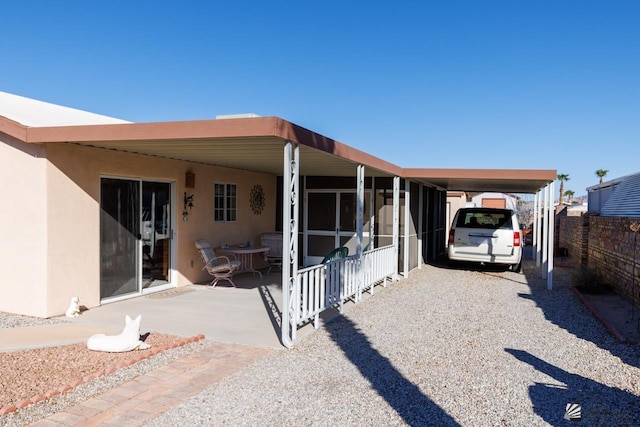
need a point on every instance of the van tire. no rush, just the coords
(516, 268)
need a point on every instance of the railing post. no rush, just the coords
(290, 288)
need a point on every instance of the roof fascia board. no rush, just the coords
(13, 128)
(231, 128)
(292, 132)
(209, 129)
(529, 174)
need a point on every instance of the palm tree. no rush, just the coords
(562, 178)
(569, 194)
(601, 173)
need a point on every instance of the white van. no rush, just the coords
(486, 235)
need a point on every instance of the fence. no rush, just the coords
(607, 245)
(330, 285)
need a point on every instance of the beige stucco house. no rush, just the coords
(104, 209)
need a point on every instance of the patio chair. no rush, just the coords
(220, 267)
(341, 252)
(274, 256)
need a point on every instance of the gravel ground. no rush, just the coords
(8, 320)
(444, 347)
(25, 374)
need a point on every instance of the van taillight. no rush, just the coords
(452, 234)
(516, 238)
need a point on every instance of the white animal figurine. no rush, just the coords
(74, 308)
(128, 340)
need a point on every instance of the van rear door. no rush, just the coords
(484, 231)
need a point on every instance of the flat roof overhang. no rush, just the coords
(498, 180)
(256, 144)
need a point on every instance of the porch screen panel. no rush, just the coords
(348, 212)
(321, 245)
(119, 236)
(322, 211)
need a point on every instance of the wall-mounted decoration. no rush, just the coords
(256, 199)
(190, 180)
(188, 205)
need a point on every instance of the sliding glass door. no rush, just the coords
(135, 236)
(156, 233)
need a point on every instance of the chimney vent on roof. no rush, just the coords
(236, 116)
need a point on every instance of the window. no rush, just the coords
(225, 202)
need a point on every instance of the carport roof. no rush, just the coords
(256, 144)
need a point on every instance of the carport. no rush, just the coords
(277, 147)
(540, 183)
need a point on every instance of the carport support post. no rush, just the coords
(551, 239)
(535, 231)
(396, 223)
(359, 229)
(290, 196)
(540, 228)
(545, 231)
(407, 219)
(372, 215)
(420, 205)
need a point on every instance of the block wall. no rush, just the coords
(573, 233)
(613, 251)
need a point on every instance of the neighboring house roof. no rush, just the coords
(625, 198)
(34, 113)
(254, 143)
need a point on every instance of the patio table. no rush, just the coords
(245, 256)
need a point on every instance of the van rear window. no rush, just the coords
(493, 220)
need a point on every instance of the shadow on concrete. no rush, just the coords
(599, 404)
(402, 395)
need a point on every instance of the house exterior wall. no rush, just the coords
(23, 215)
(493, 200)
(54, 243)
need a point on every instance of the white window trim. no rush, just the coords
(225, 208)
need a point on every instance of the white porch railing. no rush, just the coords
(329, 285)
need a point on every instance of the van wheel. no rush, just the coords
(516, 268)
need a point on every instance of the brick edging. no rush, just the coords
(7, 409)
(617, 335)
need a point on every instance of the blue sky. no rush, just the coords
(460, 84)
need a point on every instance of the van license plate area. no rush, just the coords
(479, 241)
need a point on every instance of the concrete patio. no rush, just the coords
(247, 314)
